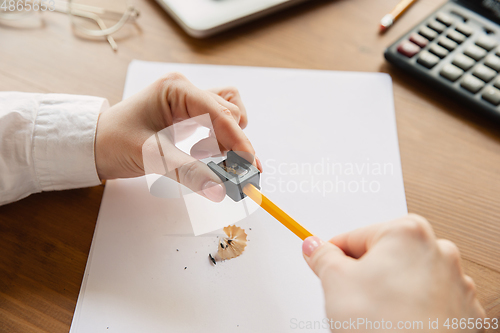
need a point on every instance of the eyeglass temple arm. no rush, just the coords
(89, 15)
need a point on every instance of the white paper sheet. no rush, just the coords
(329, 147)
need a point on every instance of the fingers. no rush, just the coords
(476, 309)
(186, 101)
(180, 167)
(406, 230)
(198, 177)
(451, 257)
(479, 311)
(183, 129)
(323, 258)
(232, 95)
(227, 130)
(235, 111)
(450, 254)
(205, 148)
(469, 286)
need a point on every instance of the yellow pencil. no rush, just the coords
(253, 193)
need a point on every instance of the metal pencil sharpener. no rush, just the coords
(236, 172)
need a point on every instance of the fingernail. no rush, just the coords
(259, 164)
(214, 191)
(310, 245)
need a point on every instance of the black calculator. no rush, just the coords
(456, 48)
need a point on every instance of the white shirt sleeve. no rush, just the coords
(47, 143)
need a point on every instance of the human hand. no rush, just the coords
(123, 129)
(396, 272)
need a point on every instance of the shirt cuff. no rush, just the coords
(64, 141)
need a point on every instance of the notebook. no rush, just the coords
(329, 148)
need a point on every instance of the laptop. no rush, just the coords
(203, 18)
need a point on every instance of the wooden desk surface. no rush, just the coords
(450, 156)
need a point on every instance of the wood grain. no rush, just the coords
(450, 155)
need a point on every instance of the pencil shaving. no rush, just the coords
(234, 244)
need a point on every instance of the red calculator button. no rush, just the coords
(408, 48)
(419, 40)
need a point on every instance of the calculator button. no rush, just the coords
(465, 29)
(451, 72)
(427, 33)
(497, 83)
(486, 43)
(419, 40)
(436, 26)
(446, 19)
(427, 60)
(492, 61)
(447, 43)
(456, 36)
(408, 49)
(484, 73)
(440, 51)
(491, 95)
(471, 83)
(475, 52)
(463, 61)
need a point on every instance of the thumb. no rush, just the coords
(198, 177)
(161, 156)
(324, 258)
(207, 147)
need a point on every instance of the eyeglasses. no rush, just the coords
(88, 17)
